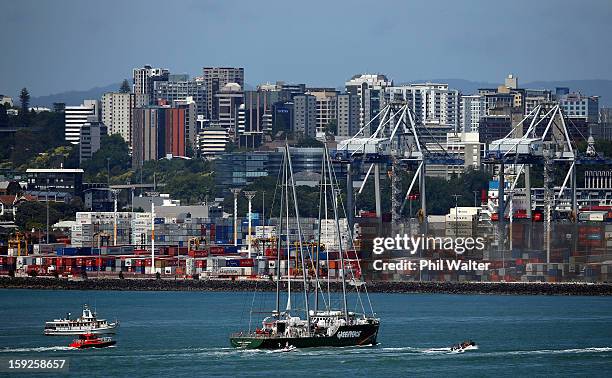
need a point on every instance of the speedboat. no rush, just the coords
(86, 323)
(89, 340)
(466, 345)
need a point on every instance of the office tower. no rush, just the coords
(117, 114)
(160, 131)
(179, 87)
(76, 116)
(229, 99)
(144, 79)
(215, 78)
(190, 120)
(305, 115)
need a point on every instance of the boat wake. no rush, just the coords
(36, 349)
(556, 351)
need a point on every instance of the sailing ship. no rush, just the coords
(322, 325)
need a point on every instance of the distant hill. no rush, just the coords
(73, 97)
(601, 88)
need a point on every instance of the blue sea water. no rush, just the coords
(178, 334)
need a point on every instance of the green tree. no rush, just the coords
(125, 87)
(45, 133)
(308, 142)
(113, 155)
(332, 127)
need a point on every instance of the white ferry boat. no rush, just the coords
(86, 323)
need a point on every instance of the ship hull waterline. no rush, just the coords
(353, 335)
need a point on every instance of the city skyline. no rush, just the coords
(225, 34)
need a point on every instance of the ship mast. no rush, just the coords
(321, 193)
(279, 242)
(336, 221)
(286, 186)
(299, 230)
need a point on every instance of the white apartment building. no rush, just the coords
(472, 108)
(369, 88)
(326, 107)
(212, 140)
(76, 116)
(117, 114)
(430, 102)
(577, 105)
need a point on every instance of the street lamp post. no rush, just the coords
(249, 195)
(456, 212)
(235, 192)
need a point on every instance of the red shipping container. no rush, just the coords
(247, 262)
(216, 250)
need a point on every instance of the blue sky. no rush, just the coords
(54, 46)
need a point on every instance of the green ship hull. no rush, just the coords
(352, 335)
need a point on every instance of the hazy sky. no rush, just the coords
(53, 46)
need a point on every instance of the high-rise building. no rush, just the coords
(369, 89)
(117, 114)
(144, 79)
(179, 87)
(215, 78)
(305, 115)
(229, 99)
(472, 109)
(190, 114)
(326, 107)
(430, 102)
(347, 115)
(160, 131)
(92, 132)
(76, 116)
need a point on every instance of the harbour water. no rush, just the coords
(186, 334)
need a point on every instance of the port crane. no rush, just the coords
(546, 141)
(396, 141)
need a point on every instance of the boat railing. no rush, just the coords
(254, 335)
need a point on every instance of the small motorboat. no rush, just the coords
(90, 340)
(287, 348)
(466, 345)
